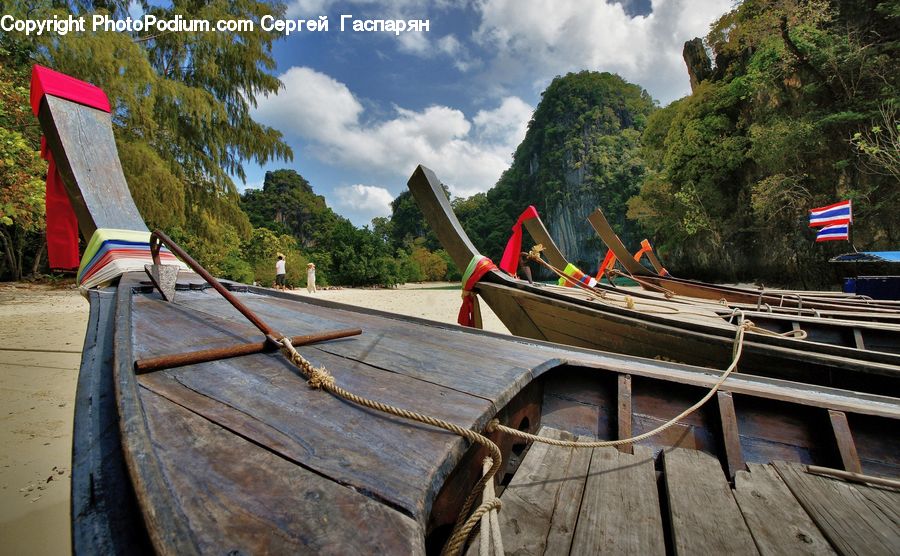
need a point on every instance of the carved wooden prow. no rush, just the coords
(540, 234)
(82, 143)
(609, 237)
(426, 189)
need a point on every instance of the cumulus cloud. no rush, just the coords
(532, 40)
(363, 202)
(469, 155)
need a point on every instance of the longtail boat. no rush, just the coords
(545, 314)
(199, 428)
(874, 332)
(761, 298)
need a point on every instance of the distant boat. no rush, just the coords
(830, 302)
(193, 434)
(864, 330)
(542, 313)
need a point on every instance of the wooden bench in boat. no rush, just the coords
(603, 501)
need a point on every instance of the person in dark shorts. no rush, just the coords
(279, 273)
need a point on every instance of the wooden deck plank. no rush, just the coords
(263, 398)
(620, 508)
(567, 511)
(529, 501)
(266, 503)
(885, 499)
(455, 359)
(624, 412)
(778, 523)
(704, 515)
(847, 518)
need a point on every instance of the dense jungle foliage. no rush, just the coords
(798, 111)
(794, 105)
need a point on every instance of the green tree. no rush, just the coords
(21, 174)
(181, 106)
(780, 127)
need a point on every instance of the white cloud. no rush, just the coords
(468, 155)
(450, 46)
(530, 39)
(363, 202)
(310, 104)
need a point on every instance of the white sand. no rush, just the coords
(41, 336)
(438, 301)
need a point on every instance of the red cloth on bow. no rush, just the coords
(510, 260)
(62, 226)
(469, 308)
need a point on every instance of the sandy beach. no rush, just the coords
(41, 336)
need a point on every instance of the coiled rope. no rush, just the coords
(320, 378)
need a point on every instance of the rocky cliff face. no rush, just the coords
(699, 65)
(581, 153)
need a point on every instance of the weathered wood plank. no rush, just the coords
(847, 518)
(620, 508)
(484, 367)
(264, 398)
(704, 515)
(778, 523)
(266, 504)
(732, 441)
(624, 412)
(530, 500)
(105, 516)
(885, 499)
(567, 511)
(844, 440)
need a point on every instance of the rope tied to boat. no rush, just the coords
(797, 333)
(321, 379)
(494, 424)
(491, 539)
(667, 293)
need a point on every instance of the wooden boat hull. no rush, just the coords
(535, 312)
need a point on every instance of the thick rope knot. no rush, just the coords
(321, 378)
(629, 302)
(535, 253)
(492, 425)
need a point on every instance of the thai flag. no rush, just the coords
(834, 233)
(838, 213)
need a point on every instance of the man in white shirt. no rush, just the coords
(279, 273)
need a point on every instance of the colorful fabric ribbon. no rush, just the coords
(573, 272)
(111, 253)
(469, 313)
(62, 225)
(510, 260)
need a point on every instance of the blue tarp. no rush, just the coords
(868, 257)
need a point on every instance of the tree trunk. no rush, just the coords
(8, 250)
(39, 258)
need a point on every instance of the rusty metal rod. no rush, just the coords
(203, 356)
(158, 236)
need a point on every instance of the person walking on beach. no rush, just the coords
(311, 278)
(279, 273)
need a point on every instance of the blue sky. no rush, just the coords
(360, 109)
